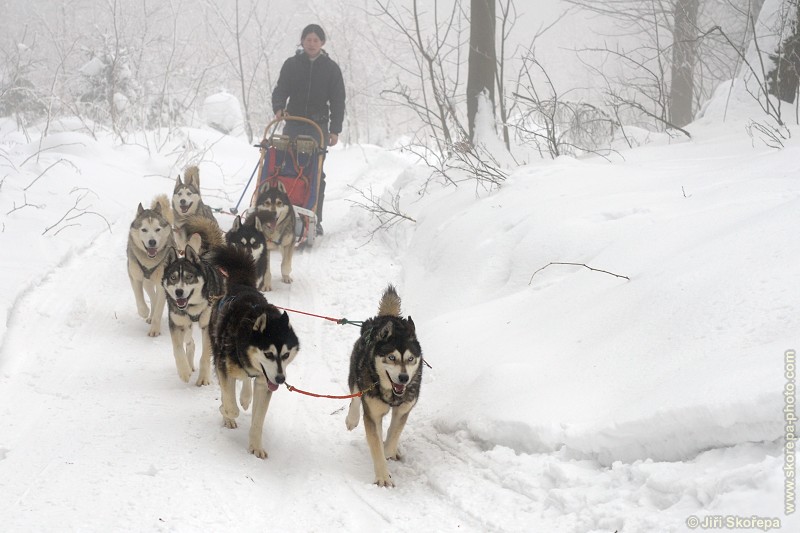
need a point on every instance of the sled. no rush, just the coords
(296, 162)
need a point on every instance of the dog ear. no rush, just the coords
(260, 323)
(237, 223)
(281, 187)
(140, 209)
(178, 183)
(157, 208)
(195, 244)
(412, 330)
(257, 224)
(285, 319)
(172, 255)
(386, 331)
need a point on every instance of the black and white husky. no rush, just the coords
(191, 284)
(278, 219)
(250, 236)
(386, 367)
(251, 340)
(149, 239)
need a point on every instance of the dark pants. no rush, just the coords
(293, 128)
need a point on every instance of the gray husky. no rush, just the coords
(277, 217)
(251, 340)
(191, 283)
(149, 239)
(386, 368)
(186, 202)
(250, 236)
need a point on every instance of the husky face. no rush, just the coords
(271, 347)
(183, 279)
(397, 354)
(150, 230)
(274, 199)
(248, 235)
(185, 198)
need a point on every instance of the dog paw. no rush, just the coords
(230, 423)
(261, 453)
(287, 279)
(245, 400)
(184, 374)
(155, 332)
(202, 381)
(384, 480)
(144, 312)
(351, 422)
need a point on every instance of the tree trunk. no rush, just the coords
(482, 57)
(684, 50)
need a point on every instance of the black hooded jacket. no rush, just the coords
(310, 86)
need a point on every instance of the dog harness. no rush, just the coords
(194, 318)
(146, 271)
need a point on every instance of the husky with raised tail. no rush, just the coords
(386, 368)
(251, 340)
(149, 239)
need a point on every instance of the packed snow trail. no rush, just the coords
(98, 433)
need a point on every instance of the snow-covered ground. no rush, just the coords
(559, 398)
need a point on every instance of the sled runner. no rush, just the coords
(296, 163)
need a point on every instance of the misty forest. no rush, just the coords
(558, 78)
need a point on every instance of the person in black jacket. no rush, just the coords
(312, 84)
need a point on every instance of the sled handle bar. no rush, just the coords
(277, 120)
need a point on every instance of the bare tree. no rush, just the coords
(430, 85)
(482, 58)
(19, 96)
(508, 16)
(231, 31)
(676, 64)
(684, 51)
(552, 123)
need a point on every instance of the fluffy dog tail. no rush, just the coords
(192, 175)
(390, 303)
(166, 208)
(210, 235)
(236, 264)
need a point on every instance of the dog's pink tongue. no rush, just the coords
(272, 386)
(182, 302)
(151, 252)
(398, 388)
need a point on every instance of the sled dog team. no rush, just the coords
(179, 256)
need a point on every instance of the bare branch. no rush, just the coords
(81, 211)
(577, 264)
(48, 168)
(26, 204)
